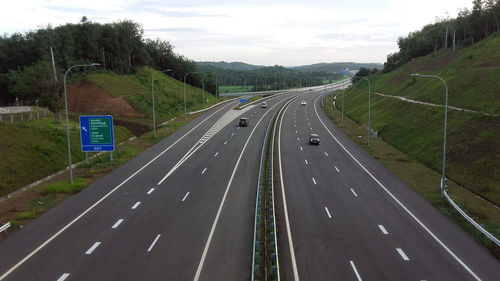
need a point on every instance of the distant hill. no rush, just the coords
(336, 66)
(318, 67)
(237, 66)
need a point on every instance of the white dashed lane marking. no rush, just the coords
(117, 223)
(136, 205)
(382, 228)
(91, 249)
(403, 255)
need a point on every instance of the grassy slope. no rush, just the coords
(169, 93)
(473, 154)
(30, 151)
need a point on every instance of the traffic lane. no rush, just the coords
(179, 260)
(314, 262)
(163, 201)
(312, 226)
(459, 242)
(35, 233)
(352, 211)
(230, 252)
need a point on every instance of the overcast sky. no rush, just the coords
(289, 33)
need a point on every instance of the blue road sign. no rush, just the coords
(243, 100)
(96, 133)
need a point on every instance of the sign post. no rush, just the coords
(96, 133)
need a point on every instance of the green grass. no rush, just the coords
(30, 151)
(66, 186)
(473, 153)
(235, 89)
(471, 73)
(169, 93)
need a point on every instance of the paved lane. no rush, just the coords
(346, 226)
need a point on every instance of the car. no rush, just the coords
(263, 104)
(303, 102)
(243, 122)
(310, 89)
(314, 139)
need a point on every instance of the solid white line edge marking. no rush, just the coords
(102, 199)
(355, 270)
(117, 223)
(403, 255)
(91, 249)
(154, 242)
(287, 220)
(216, 220)
(399, 202)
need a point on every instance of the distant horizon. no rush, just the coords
(286, 66)
(288, 32)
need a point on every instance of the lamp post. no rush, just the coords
(185, 75)
(369, 103)
(203, 83)
(443, 177)
(343, 89)
(153, 94)
(67, 119)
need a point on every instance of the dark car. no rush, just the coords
(314, 139)
(243, 122)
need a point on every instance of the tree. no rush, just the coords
(36, 82)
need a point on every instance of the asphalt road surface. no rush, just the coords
(349, 218)
(183, 210)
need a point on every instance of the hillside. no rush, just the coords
(30, 151)
(237, 66)
(336, 66)
(473, 154)
(136, 91)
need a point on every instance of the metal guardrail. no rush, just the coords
(265, 255)
(470, 220)
(5, 227)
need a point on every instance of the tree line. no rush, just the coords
(467, 28)
(26, 71)
(267, 78)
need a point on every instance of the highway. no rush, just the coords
(137, 223)
(184, 210)
(345, 217)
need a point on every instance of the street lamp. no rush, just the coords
(67, 119)
(203, 83)
(443, 177)
(369, 102)
(185, 75)
(153, 93)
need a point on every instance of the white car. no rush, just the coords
(263, 104)
(303, 102)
